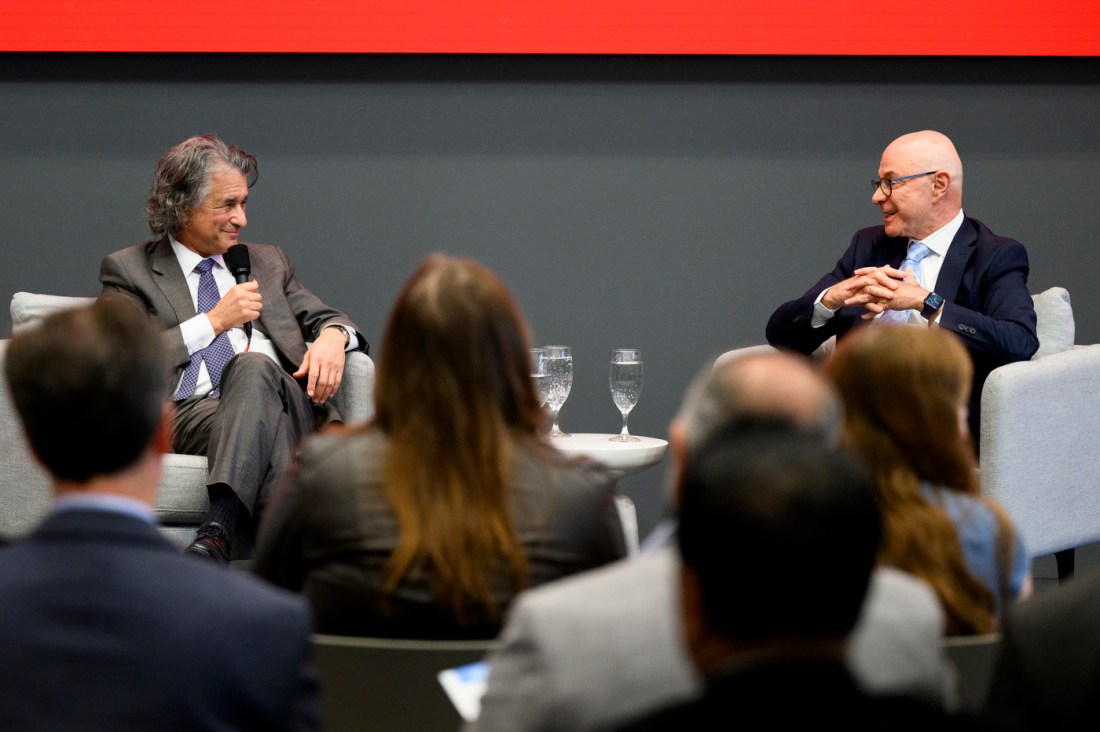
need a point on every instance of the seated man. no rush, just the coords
(770, 638)
(103, 624)
(928, 264)
(245, 396)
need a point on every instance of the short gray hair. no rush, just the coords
(182, 180)
(735, 390)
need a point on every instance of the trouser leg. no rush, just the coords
(263, 415)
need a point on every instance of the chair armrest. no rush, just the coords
(25, 488)
(355, 397)
(1040, 421)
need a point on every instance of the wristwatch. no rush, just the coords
(932, 303)
(346, 332)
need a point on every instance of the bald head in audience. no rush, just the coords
(774, 386)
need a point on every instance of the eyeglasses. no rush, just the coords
(887, 184)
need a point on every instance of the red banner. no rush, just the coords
(775, 27)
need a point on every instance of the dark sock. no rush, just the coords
(225, 507)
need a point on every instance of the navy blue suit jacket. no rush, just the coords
(983, 281)
(106, 626)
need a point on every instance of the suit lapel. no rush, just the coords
(171, 281)
(276, 319)
(958, 254)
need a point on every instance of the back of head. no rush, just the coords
(182, 180)
(758, 490)
(777, 386)
(453, 392)
(454, 354)
(89, 385)
(905, 392)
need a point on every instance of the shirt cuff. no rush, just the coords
(822, 314)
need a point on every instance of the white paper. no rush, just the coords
(464, 686)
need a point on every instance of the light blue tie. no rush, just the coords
(917, 252)
(218, 353)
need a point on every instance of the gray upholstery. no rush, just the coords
(182, 498)
(388, 684)
(972, 658)
(1040, 421)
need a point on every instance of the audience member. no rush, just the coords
(905, 396)
(104, 625)
(247, 387)
(1046, 675)
(971, 281)
(588, 651)
(428, 521)
(775, 655)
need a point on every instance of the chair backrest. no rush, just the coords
(383, 684)
(973, 658)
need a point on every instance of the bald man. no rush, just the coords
(970, 280)
(599, 648)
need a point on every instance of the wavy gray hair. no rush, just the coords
(182, 180)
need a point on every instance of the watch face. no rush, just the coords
(932, 303)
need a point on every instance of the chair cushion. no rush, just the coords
(28, 308)
(1054, 321)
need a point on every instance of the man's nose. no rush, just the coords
(238, 217)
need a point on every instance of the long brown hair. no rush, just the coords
(453, 394)
(904, 389)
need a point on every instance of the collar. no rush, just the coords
(188, 259)
(108, 502)
(939, 241)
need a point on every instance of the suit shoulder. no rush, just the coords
(986, 237)
(134, 251)
(628, 577)
(232, 593)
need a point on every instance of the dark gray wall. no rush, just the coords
(667, 204)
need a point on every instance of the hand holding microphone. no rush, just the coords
(239, 265)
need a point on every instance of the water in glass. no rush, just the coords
(626, 385)
(540, 375)
(559, 365)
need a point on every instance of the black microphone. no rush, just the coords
(240, 266)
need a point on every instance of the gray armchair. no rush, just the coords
(182, 499)
(1040, 421)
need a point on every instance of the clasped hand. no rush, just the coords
(877, 289)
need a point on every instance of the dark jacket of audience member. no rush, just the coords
(1047, 674)
(104, 625)
(428, 521)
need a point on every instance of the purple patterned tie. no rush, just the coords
(218, 353)
(917, 252)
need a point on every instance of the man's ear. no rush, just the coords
(162, 438)
(694, 623)
(677, 441)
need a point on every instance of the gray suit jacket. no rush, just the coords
(150, 276)
(594, 650)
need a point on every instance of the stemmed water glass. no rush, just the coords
(540, 375)
(626, 385)
(559, 364)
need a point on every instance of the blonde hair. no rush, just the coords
(904, 390)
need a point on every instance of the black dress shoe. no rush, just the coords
(212, 542)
